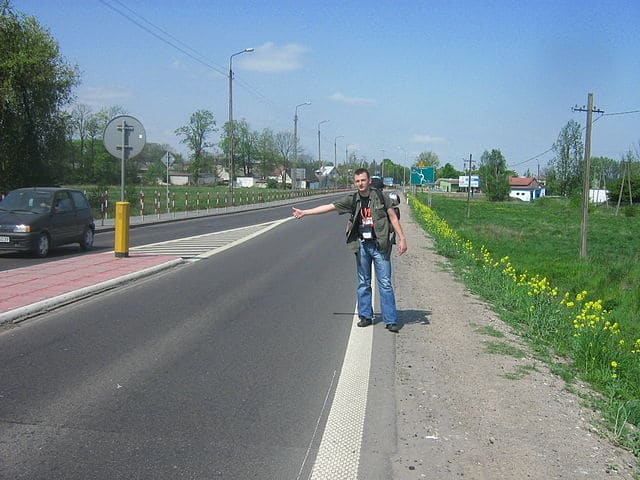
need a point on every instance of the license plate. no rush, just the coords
(4, 239)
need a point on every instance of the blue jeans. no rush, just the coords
(367, 254)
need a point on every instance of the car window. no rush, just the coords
(41, 202)
(79, 199)
(63, 202)
(27, 201)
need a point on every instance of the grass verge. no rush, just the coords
(523, 260)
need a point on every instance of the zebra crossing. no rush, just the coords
(208, 244)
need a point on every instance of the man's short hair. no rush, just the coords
(360, 171)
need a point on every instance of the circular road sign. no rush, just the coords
(124, 132)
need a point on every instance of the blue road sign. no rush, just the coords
(423, 175)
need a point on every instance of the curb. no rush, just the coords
(44, 306)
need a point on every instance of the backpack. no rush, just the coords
(395, 201)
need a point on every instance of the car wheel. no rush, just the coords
(42, 246)
(86, 242)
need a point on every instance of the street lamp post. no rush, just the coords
(346, 153)
(319, 159)
(404, 167)
(295, 140)
(231, 167)
(335, 156)
(335, 149)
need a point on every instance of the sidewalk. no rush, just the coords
(30, 290)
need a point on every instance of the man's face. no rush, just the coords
(362, 182)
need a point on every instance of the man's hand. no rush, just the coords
(402, 246)
(297, 212)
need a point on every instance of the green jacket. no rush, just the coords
(381, 224)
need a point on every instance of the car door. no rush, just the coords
(63, 223)
(83, 216)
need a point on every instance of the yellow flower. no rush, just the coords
(614, 364)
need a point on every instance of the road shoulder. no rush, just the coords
(462, 411)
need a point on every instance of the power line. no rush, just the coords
(123, 5)
(178, 45)
(602, 114)
(530, 159)
(164, 40)
(621, 113)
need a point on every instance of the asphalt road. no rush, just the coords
(217, 369)
(150, 233)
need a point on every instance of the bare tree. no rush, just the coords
(284, 144)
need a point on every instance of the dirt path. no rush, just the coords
(466, 413)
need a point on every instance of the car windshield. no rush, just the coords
(33, 201)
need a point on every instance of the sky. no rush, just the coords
(386, 79)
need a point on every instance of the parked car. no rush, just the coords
(40, 218)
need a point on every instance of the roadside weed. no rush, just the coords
(572, 319)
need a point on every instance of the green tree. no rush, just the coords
(246, 146)
(629, 176)
(195, 137)
(494, 175)
(267, 153)
(448, 171)
(35, 84)
(564, 175)
(427, 159)
(603, 171)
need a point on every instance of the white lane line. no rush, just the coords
(207, 244)
(268, 226)
(339, 452)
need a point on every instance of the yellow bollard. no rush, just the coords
(121, 247)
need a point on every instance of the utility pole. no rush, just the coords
(586, 180)
(469, 184)
(626, 175)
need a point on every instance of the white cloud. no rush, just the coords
(101, 96)
(427, 139)
(273, 59)
(177, 65)
(339, 97)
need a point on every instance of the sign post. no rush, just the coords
(422, 175)
(124, 137)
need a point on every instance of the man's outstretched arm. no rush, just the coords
(299, 213)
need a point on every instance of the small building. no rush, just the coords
(277, 175)
(525, 188)
(448, 184)
(327, 176)
(598, 196)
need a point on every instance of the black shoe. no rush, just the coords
(392, 327)
(364, 322)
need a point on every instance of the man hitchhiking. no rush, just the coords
(369, 236)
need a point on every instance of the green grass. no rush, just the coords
(520, 372)
(491, 331)
(183, 198)
(504, 348)
(580, 316)
(545, 239)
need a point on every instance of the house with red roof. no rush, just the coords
(525, 188)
